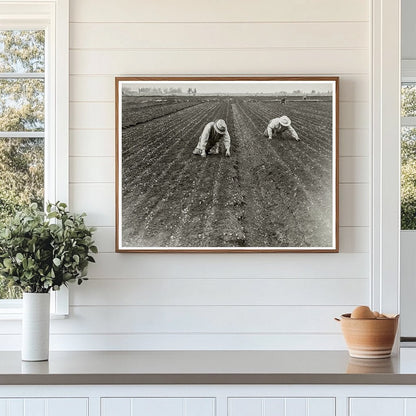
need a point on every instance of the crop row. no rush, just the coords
(315, 145)
(137, 113)
(163, 179)
(268, 194)
(303, 173)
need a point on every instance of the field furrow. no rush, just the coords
(319, 139)
(300, 154)
(152, 190)
(276, 198)
(141, 143)
(274, 193)
(136, 114)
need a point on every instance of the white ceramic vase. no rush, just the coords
(35, 326)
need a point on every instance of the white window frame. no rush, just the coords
(53, 17)
(385, 160)
(408, 236)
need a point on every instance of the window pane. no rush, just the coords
(22, 105)
(408, 99)
(22, 50)
(408, 178)
(21, 173)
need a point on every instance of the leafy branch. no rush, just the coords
(43, 251)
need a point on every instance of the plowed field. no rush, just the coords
(267, 194)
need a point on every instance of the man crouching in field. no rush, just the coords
(209, 141)
(280, 125)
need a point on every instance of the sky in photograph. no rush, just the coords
(234, 87)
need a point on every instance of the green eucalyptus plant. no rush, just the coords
(43, 251)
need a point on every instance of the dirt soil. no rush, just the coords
(269, 193)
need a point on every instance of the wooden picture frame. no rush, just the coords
(188, 182)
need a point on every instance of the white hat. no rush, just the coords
(285, 121)
(220, 126)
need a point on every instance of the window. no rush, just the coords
(22, 124)
(408, 152)
(33, 114)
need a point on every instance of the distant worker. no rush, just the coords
(280, 125)
(209, 141)
(283, 100)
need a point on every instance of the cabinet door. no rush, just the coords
(281, 406)
(160, 406)
(377, 406)
(44, 407)
(11, 407)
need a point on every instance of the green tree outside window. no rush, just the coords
(22, 97)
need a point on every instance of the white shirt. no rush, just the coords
(275, 127)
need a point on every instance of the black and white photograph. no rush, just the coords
(227, 164)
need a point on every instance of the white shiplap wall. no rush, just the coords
(251, 301)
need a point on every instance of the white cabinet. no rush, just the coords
(44, 407)
(382, 406)
(281, 406)
(208, 400)
(159, 406)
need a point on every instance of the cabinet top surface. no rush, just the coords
(208, 367)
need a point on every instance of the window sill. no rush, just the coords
(11, 309)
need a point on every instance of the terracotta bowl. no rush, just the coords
(369, 338)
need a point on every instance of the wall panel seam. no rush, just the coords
(249, 48)
(202, 22)
(195, 333)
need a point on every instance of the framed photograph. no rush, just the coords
(227, 164)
